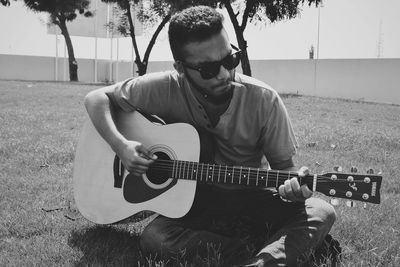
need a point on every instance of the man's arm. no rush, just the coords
(101, 110)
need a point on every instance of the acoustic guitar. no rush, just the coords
(106, 193)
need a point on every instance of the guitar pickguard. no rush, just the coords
(136, 190)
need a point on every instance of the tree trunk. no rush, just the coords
(245, 62)
(152, 42)
(73, 65)
(239, 29)
(142, 65)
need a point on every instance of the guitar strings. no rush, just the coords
(185, 166)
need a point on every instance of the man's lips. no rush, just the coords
(222, 88)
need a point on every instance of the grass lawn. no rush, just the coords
(39, 225)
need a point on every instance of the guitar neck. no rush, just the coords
(232, 175)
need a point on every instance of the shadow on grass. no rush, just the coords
(106, 246)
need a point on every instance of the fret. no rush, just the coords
(219, 172)
(226, 169)
(173, 169)
(212, 175)
(258, 172)
(201, 175)
(207, 172)
(233, 174)
(182, 174)
(179, 169)
(191, 171)
(277, 176)
(187, 176)
(184, 170)
(240, 175)
(248, 177)
(197, 171)
(187, 170)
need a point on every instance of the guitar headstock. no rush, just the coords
(351, 186)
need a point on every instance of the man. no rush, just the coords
(244, 120)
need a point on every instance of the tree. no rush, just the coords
(156, 12)
(62, 11)
(260, 11)
(126, 27)
(5, 2)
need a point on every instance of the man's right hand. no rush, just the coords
(136, 158)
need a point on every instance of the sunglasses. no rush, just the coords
(209, 70)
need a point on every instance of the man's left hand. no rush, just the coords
(291, 189)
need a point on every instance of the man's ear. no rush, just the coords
(178, 66)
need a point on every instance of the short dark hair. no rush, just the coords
(194, 24)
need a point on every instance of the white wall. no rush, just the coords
(376, 80)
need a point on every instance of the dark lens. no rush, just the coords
(231, 61)
(210, 70)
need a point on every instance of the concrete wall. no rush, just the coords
(376, 80)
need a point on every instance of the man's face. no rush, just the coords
(214, 49)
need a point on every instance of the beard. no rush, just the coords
(216, 99)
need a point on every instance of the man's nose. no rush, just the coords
(223, 74)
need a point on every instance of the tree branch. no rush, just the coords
(232, 15)
(132, 33)
(154, 37)
(249, 6)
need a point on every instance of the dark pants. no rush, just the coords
(239, 224)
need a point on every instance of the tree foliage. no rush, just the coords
(241, 12)
(263, 11)
(60, 12)
(5, 2)
(152, 13)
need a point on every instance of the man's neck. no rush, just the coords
(214, 107)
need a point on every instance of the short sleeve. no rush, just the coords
(278, 139)
(149, 93)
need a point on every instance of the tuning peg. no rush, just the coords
(334, 201)
(350, 203)
(338, 168)
(353, 169)
(370, 171)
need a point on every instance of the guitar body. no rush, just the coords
(106, 193)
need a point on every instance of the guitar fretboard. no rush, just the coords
(223, 174)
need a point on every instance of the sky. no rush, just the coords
(347, 29)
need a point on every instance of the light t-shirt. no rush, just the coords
(256, 122)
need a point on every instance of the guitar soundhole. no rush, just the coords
(159, 172)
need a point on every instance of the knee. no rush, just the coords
(322, 211)
(150, 240)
